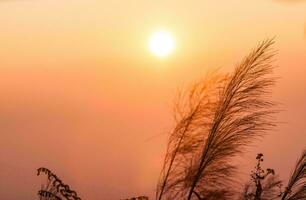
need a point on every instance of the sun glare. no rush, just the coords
(161, 44)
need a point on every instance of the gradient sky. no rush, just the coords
(82, 95)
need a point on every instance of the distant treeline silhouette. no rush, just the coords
(216, 120)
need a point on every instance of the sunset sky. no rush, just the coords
(82, 94)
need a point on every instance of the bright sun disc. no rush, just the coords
(161, 43)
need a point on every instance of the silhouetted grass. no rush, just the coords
(296, 187)
(222, 115)
(215, 120)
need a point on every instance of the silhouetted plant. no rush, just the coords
(264, 184)
(296, 187)
(48, 192)
(216, 120)
(47, 195)
(56, 189)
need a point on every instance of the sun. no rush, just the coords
(161, 43)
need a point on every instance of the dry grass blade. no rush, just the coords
(222, 115)
(296, 188)
(193, 107)
(242, 114)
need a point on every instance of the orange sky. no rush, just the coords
(82, 95)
